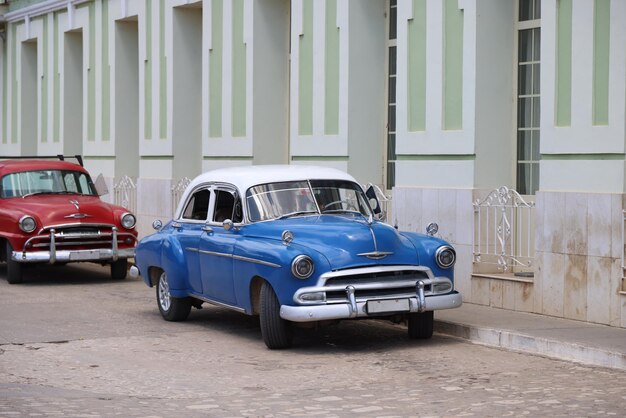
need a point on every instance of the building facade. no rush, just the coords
(504, 121)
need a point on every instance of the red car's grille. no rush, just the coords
(79, 238)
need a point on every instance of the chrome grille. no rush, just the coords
(78, 237)
(399, 283)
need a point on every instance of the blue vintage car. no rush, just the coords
(293, 244)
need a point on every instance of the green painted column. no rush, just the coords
(239, 71)
(564, 63)
(331, 87)
(215, 70)
(453, 66)
(305, 71)
(147, 86)
(416, 71)
(601, 35)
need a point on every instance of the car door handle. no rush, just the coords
(207, 229)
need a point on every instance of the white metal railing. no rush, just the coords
(125, 193)
(177, 192)
(504, 230)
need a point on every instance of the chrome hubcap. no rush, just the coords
(164, 293)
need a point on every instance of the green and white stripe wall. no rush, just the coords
(303, 81)
(583, 95)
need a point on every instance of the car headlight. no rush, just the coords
(128, 220)
(302, 267)
(27, 224)
(445, 257)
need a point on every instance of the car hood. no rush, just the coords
(52, 210)
(345, 241)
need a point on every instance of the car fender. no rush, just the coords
(271, 261)
(426, 247)
(164, 252)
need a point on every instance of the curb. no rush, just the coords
(515, 341)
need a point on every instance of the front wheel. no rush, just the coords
(421, 325)
(119, 269)
(14, 269)
(276, 331)
(171, 308)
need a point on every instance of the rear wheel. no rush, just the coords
(119, 269)
(421, 325)
(171, 308)
(276, 331)
(14, 269)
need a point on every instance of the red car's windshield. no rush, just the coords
(28, 183)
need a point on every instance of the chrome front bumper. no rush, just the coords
(354, 309)
(66, 256)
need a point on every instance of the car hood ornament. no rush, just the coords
(75, 203)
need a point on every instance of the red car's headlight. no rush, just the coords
(27, 224)
(128, 220)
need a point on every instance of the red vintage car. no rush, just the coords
(50, 212)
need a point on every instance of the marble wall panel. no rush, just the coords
(524, 297)
(464, 217)
(553, 276)
(496, 293)
(539, 222)
(615, 309)
(598, 289)
(553, 225)
(508, 294)
(575, 287)
(599, 225)
(463, 271)
(575, 226)
(538, 283)
(617, 226)
(447, 215)
(480, 291)
(430, 208)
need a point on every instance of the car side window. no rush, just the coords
(198, 205)
(224, 205)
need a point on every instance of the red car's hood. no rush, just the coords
(51, 209)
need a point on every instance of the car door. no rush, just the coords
(217, 246)
(189, 228)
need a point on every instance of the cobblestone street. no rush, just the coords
(75, 343)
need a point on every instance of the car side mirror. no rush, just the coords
(101, 185)
(157, 224)
(374, 201)
(228, 224)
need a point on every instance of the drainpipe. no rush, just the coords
(3, 22)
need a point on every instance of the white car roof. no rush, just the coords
(247, 176)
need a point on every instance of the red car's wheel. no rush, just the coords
(119, 269)
(14, 269)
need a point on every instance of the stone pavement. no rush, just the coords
(564, 339)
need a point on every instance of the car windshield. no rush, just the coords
(296, 198)
(29, 183)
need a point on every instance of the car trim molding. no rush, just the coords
(214, 302)
(235, 257)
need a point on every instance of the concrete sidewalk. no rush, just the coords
(564, 339)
